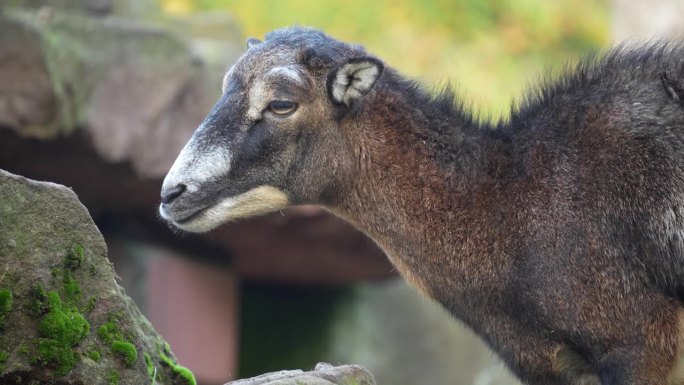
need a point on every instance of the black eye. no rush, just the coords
(282, 107)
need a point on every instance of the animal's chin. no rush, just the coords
(196, 222)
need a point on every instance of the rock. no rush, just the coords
(323, 374)
(137, 90)
(93, 7)
(63, 317)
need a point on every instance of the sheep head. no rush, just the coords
(274, 138)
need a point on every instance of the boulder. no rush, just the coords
(137, 90)
(63, 317)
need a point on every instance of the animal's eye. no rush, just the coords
(282, 107)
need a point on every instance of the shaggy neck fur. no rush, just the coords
(429, 180)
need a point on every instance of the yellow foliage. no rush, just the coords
(178, 7)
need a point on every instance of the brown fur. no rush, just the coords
(558, 236)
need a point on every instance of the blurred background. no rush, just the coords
(100, 95)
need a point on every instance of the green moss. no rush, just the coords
(74, 258)
(23, 349)
(5, 305)
(91, 304)
(3, 358)
(60, 330)
(183, 375)
(72, 290)
(94, 355)
(109, 332)
(150, 365)
(166, 360)
(62, 326)
(103, 333)
(39, 301)
(126, 350)
(113, 377)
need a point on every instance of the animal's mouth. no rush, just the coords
(202, 218)
(190, 217)
(183, 218)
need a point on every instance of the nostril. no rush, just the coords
(169, 195)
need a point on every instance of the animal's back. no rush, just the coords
(604, 146)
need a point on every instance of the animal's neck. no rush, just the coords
(425, 187)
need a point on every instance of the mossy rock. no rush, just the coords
(54, 259)
(77, 52)
(135, 90)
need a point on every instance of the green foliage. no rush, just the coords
(5, 305)
(74, 258)
(60, 330)
(126, 350)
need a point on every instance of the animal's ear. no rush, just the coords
(252, 41)
(353, 79)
